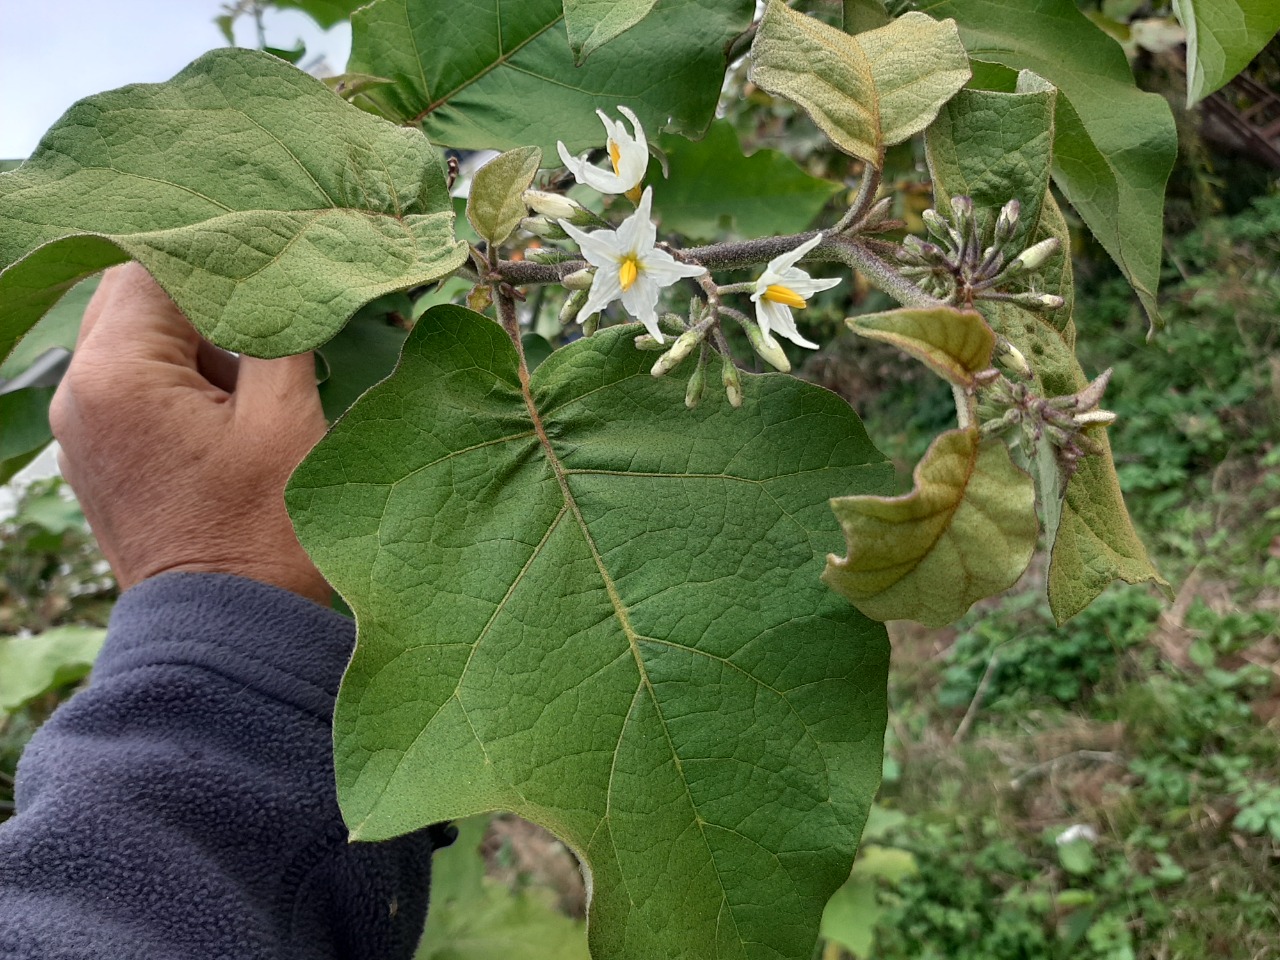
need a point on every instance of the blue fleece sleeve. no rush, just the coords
(183, 805)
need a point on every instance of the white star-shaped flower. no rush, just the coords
(784, 287)
(628, 154)
(628, 267)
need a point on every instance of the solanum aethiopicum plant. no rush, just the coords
(588, 589)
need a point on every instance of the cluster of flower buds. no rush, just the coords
(965, 262)
(1064, 420)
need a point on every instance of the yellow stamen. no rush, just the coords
(634, 194)
(784, 295)
(615, 155)
(628, 270)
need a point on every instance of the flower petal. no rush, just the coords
(783, 321)
(641, 301)
(599, 247)
(803, 284)
(637, 233)
(787, 260)
(665, 269)
(605, 288)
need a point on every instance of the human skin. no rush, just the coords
(179, 452)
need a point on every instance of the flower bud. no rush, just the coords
(684, 345)
(1034, 257)
(579, 279)
(1038, 301)
(542, 227)
(732, 382)
(1007, 222)
(648, 342)
(553, 206)
(573, 305)
(935, 224)
(773, 354)
(962, 208)
(1012, 358)
(877, 214)
(1095, 418)
(697, 384)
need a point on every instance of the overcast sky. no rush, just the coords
(53, 52)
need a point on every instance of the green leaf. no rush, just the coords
(713, 189)
(33, 666)
(593, 23)
(24, 427)
(1113, 146)
(865, 92)
(1095, 541)
(474, 918)
(954, 344)
(495, 205)
(965, 532)
(503, 75)
(851, 916)
(287, 54)
(327, 13)
(52, 512)
(363, 352)
(57, 330)
(994, 147)
(583, 603)
(1222, 37)
(265, 206)
(863, 15)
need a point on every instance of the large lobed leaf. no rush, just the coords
(581, 602)
(265, 206)
(488, 74)
(1114, 144)
(1222, 37)
(864, 92)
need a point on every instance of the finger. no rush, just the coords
(283, 389)
(133, 319)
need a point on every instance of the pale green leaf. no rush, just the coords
(714, 190)
(863, 15)
(583, 603)
(265, 206)
(503, 74)
(1095, 542)
(954, 344)
(865, 92)
(495, 205)
(1113, 145)
(1222, 37)
(851, 916)
(327, 13)
(32, 666)
(474, 918)
(57, 330)
(593, 23)
(966, 531)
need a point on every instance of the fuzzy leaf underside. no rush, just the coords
(966, 531)
(865, 92)
(265, 206)
(1114, 144)
(592, 607)
(954, 344)
(488, 74)
(495, 204)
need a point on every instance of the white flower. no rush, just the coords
(784, 287)
(628, 153)
(628, 267)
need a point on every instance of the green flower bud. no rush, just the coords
(1007, 222)
(573, 305)
(579, 279)
(1034, 257)
(648, 342)
(684, 345)
(773, 355)
(732, 382)
(544, 228)
(697, 384)
(554, 206)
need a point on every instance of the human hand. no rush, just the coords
(178, 451)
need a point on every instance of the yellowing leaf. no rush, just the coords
(864, 92)
(954, 344)
(965, 532)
